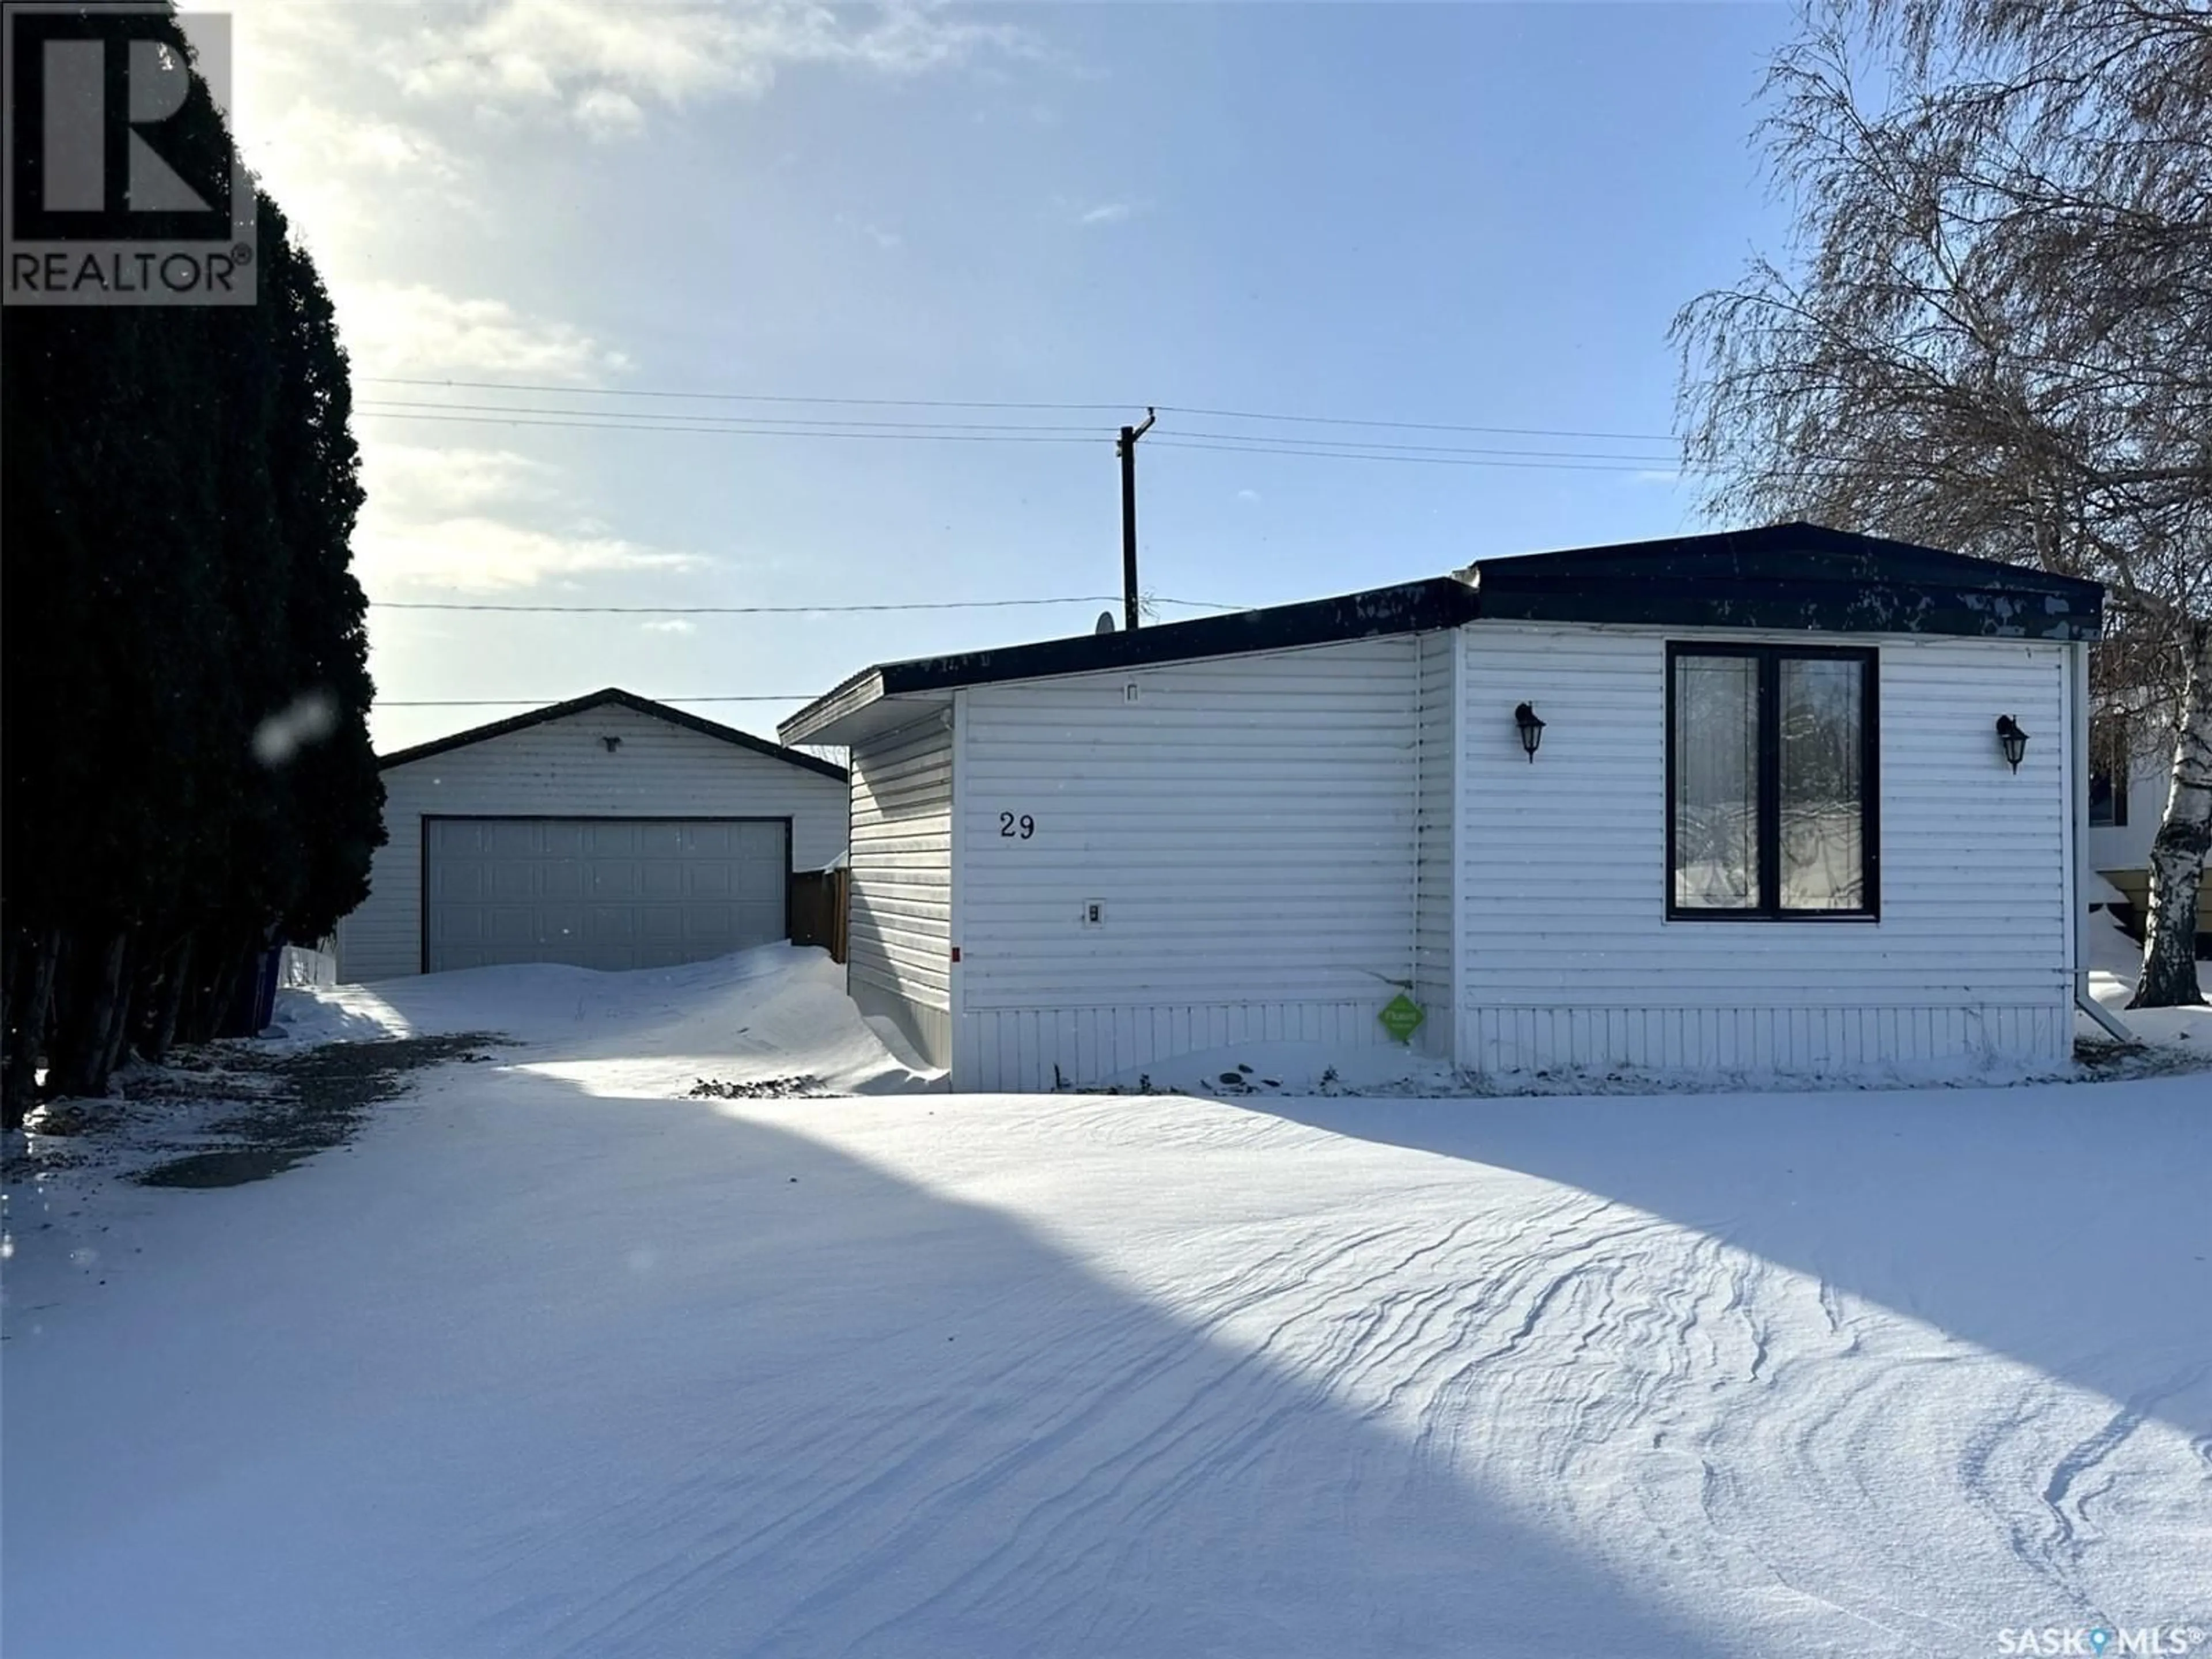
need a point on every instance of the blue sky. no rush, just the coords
(1466, 214)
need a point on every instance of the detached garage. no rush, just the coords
(609, 832)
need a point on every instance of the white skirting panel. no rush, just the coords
(1782, 1040)
(1027, 1050)
(929, 1029)
(1439, 1028)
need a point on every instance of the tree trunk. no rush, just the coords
(19, 957)
(65, 1015)
(19, 943)
(120, 1013)
(27, 1036)
(82, 1033)
(214, 973)
(162, 1035)
(2177, 855)
(222, 990)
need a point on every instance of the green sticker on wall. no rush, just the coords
(1402, 1017)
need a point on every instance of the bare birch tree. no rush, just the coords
(1993, 333)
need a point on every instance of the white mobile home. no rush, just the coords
(1722, 802)
(610, 831)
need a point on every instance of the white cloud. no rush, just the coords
(392, 149)
(413, 329)
(1655, 476)
(672, 625)
(410, 481)
(458, 518)
(577, 57)
(484, 555)
(875, 232)
(605, 113)
(1108, 213)
(1248, 495)
(324, 134)
(371, 123)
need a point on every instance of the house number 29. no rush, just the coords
(1020, 828)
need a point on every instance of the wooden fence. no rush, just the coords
(818, 911)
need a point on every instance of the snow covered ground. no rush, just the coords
(2115, 960)
(556, 1360)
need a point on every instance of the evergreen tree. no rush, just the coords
(187, 767)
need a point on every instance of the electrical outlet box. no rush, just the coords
(1094, 913)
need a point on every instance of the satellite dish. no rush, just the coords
(1105, 622)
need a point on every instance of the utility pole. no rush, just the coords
(1127, 449)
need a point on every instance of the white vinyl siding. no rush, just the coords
(900, 907)
(1567, 955)
(1432, 937)
(563, 768)
(1246, 825)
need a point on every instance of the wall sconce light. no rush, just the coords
(612, 743)
(1532, 730)
(2013, 739)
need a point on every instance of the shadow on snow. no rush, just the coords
(754, 1396)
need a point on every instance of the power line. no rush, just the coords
(735, 422)
(726, 431)
(728, 396)
(1234, 443)
(1298, 446)
(1420, 426)
(879, 428)
(774, 609)
(1076, 408)
(1649, 463)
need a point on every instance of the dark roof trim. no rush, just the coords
(1777, 578)
(1414, 607)
(629, 700)
(1789, 577)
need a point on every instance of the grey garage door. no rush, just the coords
(600, 892)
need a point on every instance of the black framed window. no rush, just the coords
(1772, 796)
(2109, 751)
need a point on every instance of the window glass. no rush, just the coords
(1822, 839)
(2108, 772)
(1771, 755)
(1716, 782)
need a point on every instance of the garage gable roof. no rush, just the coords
(616, 696)
(1786, 576)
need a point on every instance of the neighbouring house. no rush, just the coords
(1722, 802)
(611, 831)
(2130, 770)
